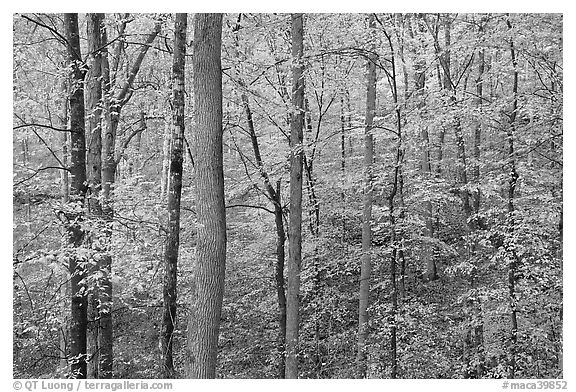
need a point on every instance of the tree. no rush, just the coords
(295, 228)
(510, 243)
(174, 195)
(206, 308)
(112, 106)
(495, 309)
(366, 267)
(275, 197)
(94, 177)
(78, 316)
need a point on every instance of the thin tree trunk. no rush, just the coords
(426, 167)
(343, 164)
(366, 267)
(477, 340)
(164, 177)
(274, 196)
(478, 135)
(105, 336)
(510, 246)
(280, 285)
(174, 195)
(397, 187)
(65, 193)
(78, 315)
(65, 182)
(204, 321)
(112, 106)
(295, 229)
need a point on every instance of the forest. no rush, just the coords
(309, 196)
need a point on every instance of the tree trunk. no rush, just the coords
(426, 167)
(64, 335)
(94, 176)
(108, 172)
(295, 229)
(174, 195)
(478, 136)
(395, 233)
(366, 267)
(274, 195)
(65, 182)
(510, 243)
(477, 328)
(78, 315)
(204, 322)
(164, 177)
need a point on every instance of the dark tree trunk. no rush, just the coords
(274, 195)
(204, 321)
(94, 175)
(78, 321)
(366, 266)
(295, 229)
(395, 232)
(510, 243)
(174, 195)
(280, 285)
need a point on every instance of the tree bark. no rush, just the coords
(105, 335)
(78, 316)
(204, 321)
(510, 243)
(295, 229)
(94, 176)
(164, 177)
(64, 334)
(395, 232)
(65, 181)
(174, 195)
(366, 267)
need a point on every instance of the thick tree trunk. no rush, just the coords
(174, 195)
(366, 267)
(78, 316)
(204, 322)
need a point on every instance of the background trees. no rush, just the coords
(466, 192)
